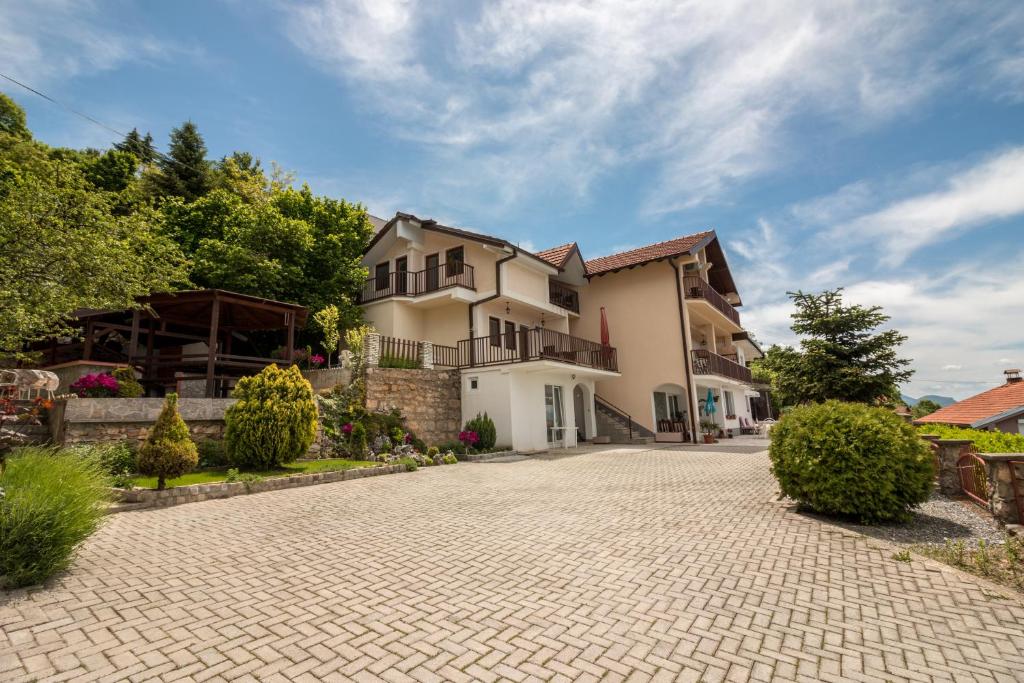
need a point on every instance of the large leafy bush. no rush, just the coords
(984, 441)
(274, 420)
(169, 451)
(851, 459)
(51, 502)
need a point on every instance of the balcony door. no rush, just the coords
(402, 274)
(433, 263)
(455, 259)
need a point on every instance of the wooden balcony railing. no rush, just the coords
(535, 344)
(563, 297)
(697, 288)
(415, 283)
(708, 363)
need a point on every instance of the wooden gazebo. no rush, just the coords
(191, 335)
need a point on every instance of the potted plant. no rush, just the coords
(708, 427)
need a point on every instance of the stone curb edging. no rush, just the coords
(479, 457)
(139, 499)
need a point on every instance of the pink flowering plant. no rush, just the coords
(98, 385)
(469, 438)
(316, 360)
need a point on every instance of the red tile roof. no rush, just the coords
(651, 252)
(557, 256)
(977, 408)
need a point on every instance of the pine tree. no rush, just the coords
(141, 147)
(185, 172)
(169, 451)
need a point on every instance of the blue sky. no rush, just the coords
(873, 145)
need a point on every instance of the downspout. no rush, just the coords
(691, 390)
(498, 289)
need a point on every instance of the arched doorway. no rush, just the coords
(582, 402)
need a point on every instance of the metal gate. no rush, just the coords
(973, 475)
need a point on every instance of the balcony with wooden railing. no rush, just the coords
(697, 288)
(563, 297)
(416, 283)
(536, 344)
(707, 363)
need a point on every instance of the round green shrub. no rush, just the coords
(851, 459)
(169, 451)
(357, 441)
(274, 420)
(433, 451)
(52, 501)
(113, 458)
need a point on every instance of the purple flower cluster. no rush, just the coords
(316, 360)
(469, 438)
(347, 428)
(98, 385)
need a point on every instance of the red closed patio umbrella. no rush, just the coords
(605, 338)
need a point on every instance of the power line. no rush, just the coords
(157, 153)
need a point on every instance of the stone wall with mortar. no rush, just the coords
(430, 400)
(93, 420)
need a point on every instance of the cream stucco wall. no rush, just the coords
(643, 322)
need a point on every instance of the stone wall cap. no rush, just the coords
(954, 442)
(1001, 456)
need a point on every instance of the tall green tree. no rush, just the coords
(141, 147)
(843, 354)
(184, 171)
(12, 119)
(113, 171)
(63, 248)
(925, 406)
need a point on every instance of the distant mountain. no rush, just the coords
(941, 400)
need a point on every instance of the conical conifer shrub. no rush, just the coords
(169, 451)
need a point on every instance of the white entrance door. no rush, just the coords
(554, 408)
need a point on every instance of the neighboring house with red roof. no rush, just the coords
(1000, 409)
(524, 330)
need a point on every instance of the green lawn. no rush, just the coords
(213, 474)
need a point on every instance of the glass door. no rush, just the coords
(432, 265)
(554, 410)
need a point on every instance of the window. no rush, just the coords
(510, 335)
(382, 274)
(474, 383)
(730, 407)
(554, 413)
(495, 331)
(668, 412)
(455, 258)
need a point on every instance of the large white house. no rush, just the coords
(524, 330)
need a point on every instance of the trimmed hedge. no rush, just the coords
(169, 451)
(52, 501)
(984, 441)
(851, 459)
(274, 420)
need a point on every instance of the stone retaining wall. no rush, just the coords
(147, 498)
(1002, 501)
(93, 420)
(430, 400)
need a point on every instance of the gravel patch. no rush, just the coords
(933, 522)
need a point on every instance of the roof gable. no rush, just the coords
(980, 408)
(652, 252)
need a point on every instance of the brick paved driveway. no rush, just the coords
(666, 565)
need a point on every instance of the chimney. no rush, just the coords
(1012, 375)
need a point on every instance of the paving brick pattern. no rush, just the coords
(618, 565)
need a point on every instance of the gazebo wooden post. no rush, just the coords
(211, 357)
(149, 348)
(87, 347)
(289, 348)
(135, 337)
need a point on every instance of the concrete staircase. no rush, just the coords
(615, 424)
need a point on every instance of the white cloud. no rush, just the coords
(56, 40)
(527, 97)
(989, 191)
(952, 367)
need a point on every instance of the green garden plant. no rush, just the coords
(113, 458)
(483, 425)
(850, 459)
(127, 385)
(169, 451)
(984, 441)
(274, 420)
(51, 502)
